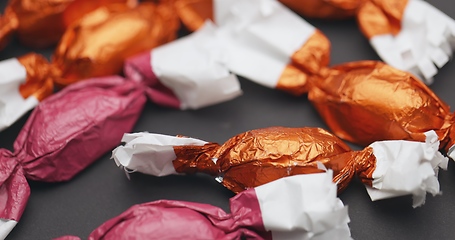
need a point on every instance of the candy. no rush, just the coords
(98, 44)
(184, 81)
(410, 35)
(265, 212)
(72, 128)
(259, 156)
(62, 137)
(361, 102)
(41, 23)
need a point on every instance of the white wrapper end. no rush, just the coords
(12, 104)
(407, 167)
(6, 226)
(261, 22)
(307, 204)
(190, 66)
(256, 44)
(150, 153)
(424, 43)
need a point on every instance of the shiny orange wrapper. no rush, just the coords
(98, 44)
(40, 24)
(40, 76)
(365, 101)
(368, 101)
(260, 156)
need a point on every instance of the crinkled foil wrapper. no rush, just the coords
(40, 24)
(40, 76)
(100, 42)
(260, 156)
(368, 101)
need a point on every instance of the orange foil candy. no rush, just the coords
(361, 102)
(41, 23)
(98, 44)
(368, 101)
(259, 156)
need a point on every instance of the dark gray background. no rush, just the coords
(102, 191)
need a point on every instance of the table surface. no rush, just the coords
(102, 191)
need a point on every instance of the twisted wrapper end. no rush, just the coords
(149, 153)
(424, 43)
(407, 167)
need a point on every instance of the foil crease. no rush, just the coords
(369, 101)
(40, 75)
(260, 156)
(100, 42)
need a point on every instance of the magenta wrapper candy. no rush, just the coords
(71, 129)
(64, 134)
(296, 207)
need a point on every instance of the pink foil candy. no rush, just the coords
(296, 207)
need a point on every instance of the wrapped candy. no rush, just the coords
(253, 158)
(411, 35)
(40, 24)
(361, 102)
(264, 212)
(184, 81)
(98, 44)
(62, 135)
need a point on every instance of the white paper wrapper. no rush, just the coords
(190, 67)
(12, 105)
(6, 226)
(407, 167)
(256, 45)
(150, 153)
(316, 212)
(424, 44)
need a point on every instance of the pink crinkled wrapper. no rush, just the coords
(165, 219)
(65, 133)
(302, 206)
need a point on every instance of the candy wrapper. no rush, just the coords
(24, 82)
(361, 102)
(40, 24)
(264, 212)
(184, 81)
(100, 42)
(74, 127)
(411, 35)
(62, 137)
(253, 158)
